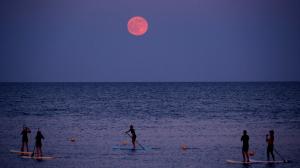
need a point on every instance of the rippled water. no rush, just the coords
(206, 117)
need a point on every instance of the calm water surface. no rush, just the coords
(207, 117)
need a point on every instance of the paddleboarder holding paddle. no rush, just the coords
(133, 135)
(270, 141)
(245, 148)
(38, 144)
(24, 133)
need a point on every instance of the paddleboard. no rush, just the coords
(189, 148)
(38, 158)
(125, 148)
(20, 153)
(130, 148)
(255, 161)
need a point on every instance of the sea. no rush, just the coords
(178, 125)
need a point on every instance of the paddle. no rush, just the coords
(136, 141)
(33, 151)
(280, 156)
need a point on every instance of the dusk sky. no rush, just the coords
(187, 40)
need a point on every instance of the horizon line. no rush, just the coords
(267, 81)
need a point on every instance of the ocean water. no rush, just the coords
(208, 118)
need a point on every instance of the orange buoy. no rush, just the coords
(184, 147)
(124, 143)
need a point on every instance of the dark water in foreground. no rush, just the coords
(208, 117)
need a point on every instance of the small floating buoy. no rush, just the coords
(251, 153)
(124, 143)
(72, 139)
(184, 147)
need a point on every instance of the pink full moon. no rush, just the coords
(137, 26)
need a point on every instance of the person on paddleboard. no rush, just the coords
(245, 148)
(38, 143)
(133, 135)
(24, 134)
(270, 141)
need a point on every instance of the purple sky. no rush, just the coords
(187, 40)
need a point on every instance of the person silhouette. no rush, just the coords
(38, 143)
(270, 142)
(245, 148)
(133, 135)
(24, 134)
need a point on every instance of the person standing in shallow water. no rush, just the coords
(24, 134)
(133, 135)
(270, 141)
(245, 148)
(38, 143)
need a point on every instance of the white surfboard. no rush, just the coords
(256, 161)
(20, 152)
(39, 158)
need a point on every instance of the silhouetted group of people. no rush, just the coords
(37, 151)
(270, 147)
(245, 139)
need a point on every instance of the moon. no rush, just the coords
(137, 26)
